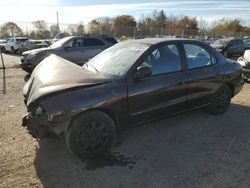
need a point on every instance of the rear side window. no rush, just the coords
(111, 40)
(198, 56)
(93, 42)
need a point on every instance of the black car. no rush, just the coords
(77, 49)
(245, 63)
(230, 47)
(132, 82)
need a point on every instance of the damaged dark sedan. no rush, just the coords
(130, 83)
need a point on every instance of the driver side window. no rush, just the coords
(75, 43)
(165, 59)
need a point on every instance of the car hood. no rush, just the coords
(55, 74)
(36, 51)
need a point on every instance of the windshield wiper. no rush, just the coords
(94, 68)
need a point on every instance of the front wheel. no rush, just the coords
(220, 101)
(90, 134)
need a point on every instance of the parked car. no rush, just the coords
(245, 63)
(13, 44)
(230, 47)
(32, 44)
(132, 82)
(77, 49)
(2, 41)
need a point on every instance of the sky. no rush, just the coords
(75, 11)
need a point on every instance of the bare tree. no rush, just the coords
(124, 25)
(10, 29)
(53, 30)
(41, 29)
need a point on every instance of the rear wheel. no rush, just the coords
(220, 101)
(12, 49)
(3, 49)
(90, 134)
(225, 53)
(19, 51)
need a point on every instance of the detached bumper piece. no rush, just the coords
(34, 127)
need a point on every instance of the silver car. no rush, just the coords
(77, 49)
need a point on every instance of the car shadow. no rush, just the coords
(193, 149)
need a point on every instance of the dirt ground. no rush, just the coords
(193, 149)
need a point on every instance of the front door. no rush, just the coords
(72, 51)
(161, 93)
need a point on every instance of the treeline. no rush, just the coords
(125, 25)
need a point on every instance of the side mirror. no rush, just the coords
(143, 72)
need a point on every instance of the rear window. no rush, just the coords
(111, 40)
(93, 42)
(21, 40)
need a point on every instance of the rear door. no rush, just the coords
(164, 91)
(203, 73)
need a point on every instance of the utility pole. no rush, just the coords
(58, 29)
(3, 67)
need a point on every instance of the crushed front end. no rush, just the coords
(37, 122)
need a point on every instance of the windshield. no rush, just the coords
(116, 60)
(60, 42)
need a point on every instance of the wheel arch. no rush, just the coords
(231, 86)
(108, 112)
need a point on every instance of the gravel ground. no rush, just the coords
(10, 61)
(193, 149)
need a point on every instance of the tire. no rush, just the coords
(19, 51)
(12, 49)
(3, 49)
(220, 101)
(225, 53)
(90, 134)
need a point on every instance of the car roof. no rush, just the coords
(153, 41)
(18, 38)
